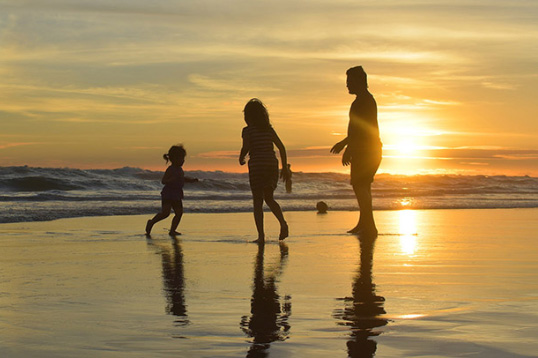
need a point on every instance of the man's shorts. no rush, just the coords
(364, 165)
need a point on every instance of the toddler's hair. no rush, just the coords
(175, 152)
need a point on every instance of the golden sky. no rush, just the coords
(114, 83)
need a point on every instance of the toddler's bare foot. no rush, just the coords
(173, 233)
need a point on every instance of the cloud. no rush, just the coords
(187, 68)
(221, 154)
(485, 153)
(17, 144)
(310, 152)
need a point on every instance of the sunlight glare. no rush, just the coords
(406, 147)
(408, 232)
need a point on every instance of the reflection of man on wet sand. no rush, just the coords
(363, 312)
(363, 148)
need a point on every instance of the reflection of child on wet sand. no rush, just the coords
(258, 138)
(172, 193)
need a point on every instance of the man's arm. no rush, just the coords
(337, 148)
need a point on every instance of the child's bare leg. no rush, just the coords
(163, 214)
(277, 211)
(178, 210)
(257, 200)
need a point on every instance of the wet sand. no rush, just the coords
(436, 283)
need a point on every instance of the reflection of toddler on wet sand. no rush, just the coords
(172, 193)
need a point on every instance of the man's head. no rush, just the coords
(356, 80)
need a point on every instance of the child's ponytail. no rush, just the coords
(175, 152)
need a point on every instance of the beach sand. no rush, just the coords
(440, 283)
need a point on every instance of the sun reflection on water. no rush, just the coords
(408, 232)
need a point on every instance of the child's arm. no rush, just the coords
(283, 157)
(168, 176)
(244, 149)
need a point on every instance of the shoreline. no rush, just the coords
(267, 211)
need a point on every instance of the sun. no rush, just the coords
(406, 147)
(403, 148)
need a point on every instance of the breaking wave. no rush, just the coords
(34, 194)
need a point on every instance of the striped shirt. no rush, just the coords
(260, 143)
(262, 163)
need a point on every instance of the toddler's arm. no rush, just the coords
(168, 176)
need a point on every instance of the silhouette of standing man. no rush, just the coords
(363, 148)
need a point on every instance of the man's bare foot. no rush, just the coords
(149, 226)
(284, 232)
(355, 230)
(370, 233)
(174, 233)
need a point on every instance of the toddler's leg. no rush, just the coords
(165, 211)
(178, 210)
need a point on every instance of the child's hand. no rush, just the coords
(242, 161)
(284, 173)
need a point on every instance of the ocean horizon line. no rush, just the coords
(41, 193)
(245, 172)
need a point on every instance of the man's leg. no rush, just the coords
(366, 224)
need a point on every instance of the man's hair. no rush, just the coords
(358, 75)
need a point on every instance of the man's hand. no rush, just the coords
(337, 148)
(346, 158)
(242, 160)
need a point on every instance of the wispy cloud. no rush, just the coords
(19, 144)
(146, 72)
(221, 154)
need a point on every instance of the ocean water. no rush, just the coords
(40, 194)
